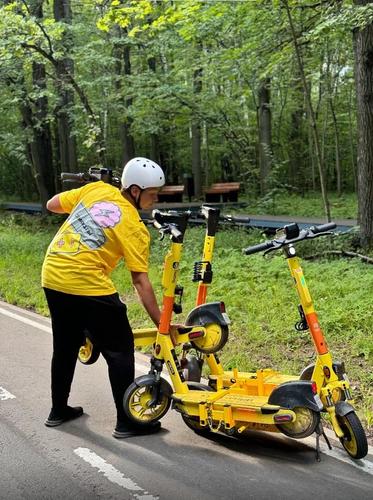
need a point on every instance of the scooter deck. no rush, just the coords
(225, 397)
(229, 408)
(259, 383)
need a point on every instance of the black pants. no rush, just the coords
(105, 318)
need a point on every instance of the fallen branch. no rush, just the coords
(341, 253)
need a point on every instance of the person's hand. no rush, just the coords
(174, 333)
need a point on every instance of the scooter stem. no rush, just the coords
(307, 304)
(169, 280)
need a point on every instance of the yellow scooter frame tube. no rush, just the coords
(323, 374)
(164, 349)
(212, 217)
(263, 381)
(329, 378)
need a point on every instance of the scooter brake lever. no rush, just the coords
(277, 245)
(316, 235)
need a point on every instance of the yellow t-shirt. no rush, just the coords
(102, 228)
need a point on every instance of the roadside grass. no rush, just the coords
(260, 298)
(308, 205)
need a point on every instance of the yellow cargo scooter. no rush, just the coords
(192, 363)
(292, 408)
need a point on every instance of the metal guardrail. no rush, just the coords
(269, 224)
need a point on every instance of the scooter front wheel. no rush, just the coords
(354, 440)
(88, 353)
(193, 422)
(139, 403)
(305, 424)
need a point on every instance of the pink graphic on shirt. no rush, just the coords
(105, 214)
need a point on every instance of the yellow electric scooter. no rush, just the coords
(292, 407)
(328, 377)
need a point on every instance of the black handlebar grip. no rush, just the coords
(206, 210)
(258, 248)
(323, 227)
(211, 215)
(71, 176)
(236, 218)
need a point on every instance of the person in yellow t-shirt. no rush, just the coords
(103, 227)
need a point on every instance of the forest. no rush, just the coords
(275, 94)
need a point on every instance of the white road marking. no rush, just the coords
(363, 464)
(4, 394)
(112, 474)
(25, 312)
(25, 320)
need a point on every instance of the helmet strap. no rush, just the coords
(136, 200)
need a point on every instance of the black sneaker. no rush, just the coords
(125, 429)
(59, 418)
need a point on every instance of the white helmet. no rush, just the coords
(143, 173)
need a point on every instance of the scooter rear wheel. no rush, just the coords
(137, 401)
(88, 353)
(305, 424)
(354, 440)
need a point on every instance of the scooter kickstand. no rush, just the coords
(327, 440)
(318, 456)
(320, 432)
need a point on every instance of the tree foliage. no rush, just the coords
(134, 73)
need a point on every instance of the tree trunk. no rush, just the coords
(42, 132)
(352, 140)
(197, 139)
(36, 120)
(122, 54)
(67, 142)
(312, 117)
(38, 149)
(128, 140)
(337, 148)
(265, 133)
(363, 47)
(154, 138)
(296, 138)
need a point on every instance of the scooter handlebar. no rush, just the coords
(235, 218)
(323, 227)
(170, 223)
(71, 176)
(94, 174)
(290, 235)
(261, 247)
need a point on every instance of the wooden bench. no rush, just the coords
(171, 194)
(228, 191)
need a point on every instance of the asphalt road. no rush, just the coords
(81, 459)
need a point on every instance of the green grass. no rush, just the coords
(309, 205)
(258, 292)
